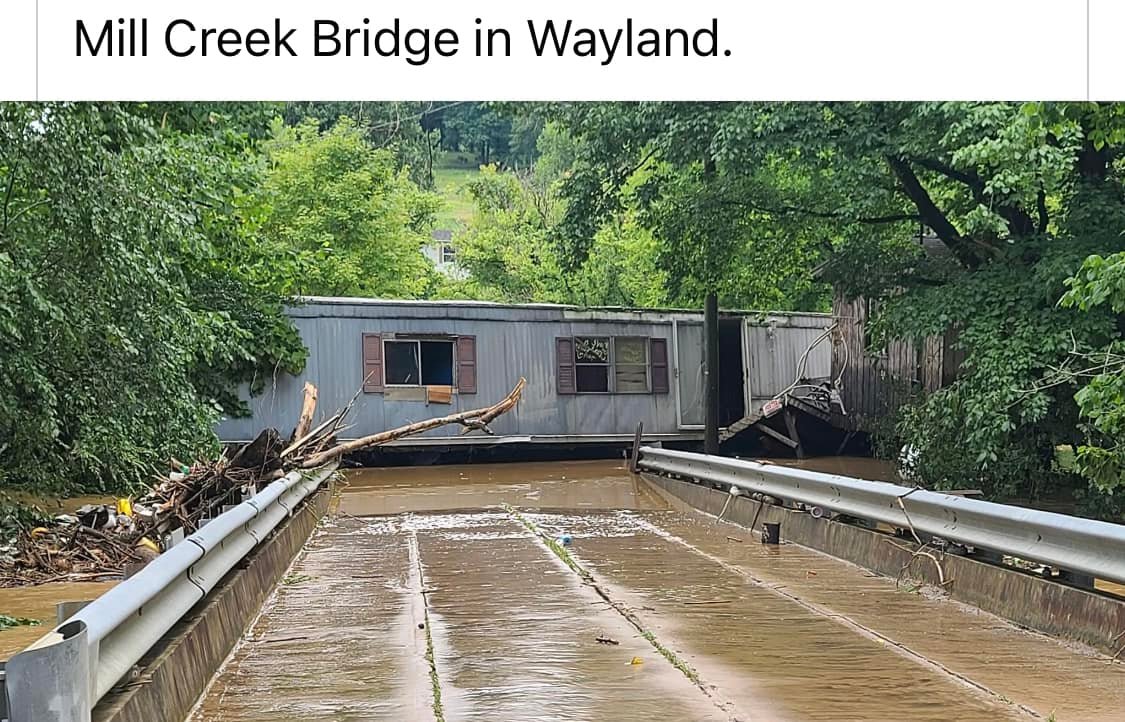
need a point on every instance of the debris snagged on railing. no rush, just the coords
(99, 541)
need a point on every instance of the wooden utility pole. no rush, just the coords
(711, 374)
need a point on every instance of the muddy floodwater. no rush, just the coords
(576, 591)
(39, 603)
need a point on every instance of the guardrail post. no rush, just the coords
(51, 683)
(636, 455)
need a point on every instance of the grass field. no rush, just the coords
(452, 173)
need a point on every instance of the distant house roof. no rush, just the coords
(443, 235)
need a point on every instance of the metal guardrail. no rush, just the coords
(1096, 548)
(62, 676)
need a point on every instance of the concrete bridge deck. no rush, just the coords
(426, 598)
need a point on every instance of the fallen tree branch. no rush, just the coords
(308, 408)
(465, 418)
(914, 554)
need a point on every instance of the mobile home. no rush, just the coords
(592, 373)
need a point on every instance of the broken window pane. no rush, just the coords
(592, 367)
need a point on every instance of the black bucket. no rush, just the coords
(771, 533)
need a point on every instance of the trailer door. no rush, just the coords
(687, 352)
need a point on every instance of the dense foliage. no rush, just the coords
(508, 248)
(1013, 197)
(128, 302)
(352, 217)
(146, 253)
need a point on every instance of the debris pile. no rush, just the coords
(102, 541)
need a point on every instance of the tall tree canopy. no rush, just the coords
(349, 212)
(131, 295)
(1016, 195)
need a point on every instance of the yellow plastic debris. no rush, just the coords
(38, 531)
(148, 544)
(124, 506)
(637, 660)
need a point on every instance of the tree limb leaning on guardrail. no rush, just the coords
(476, 419)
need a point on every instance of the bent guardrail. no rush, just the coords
(1096, 548)
(62, 676)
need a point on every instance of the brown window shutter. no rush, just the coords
(658, 359)
(564, 358)
(467, 364)
(372, 363)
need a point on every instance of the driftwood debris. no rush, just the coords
(100, 540)
(477, 419)
(308, 409)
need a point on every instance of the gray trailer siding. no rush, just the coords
(776, 347)
(510, 342)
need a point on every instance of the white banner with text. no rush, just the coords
(579, 49)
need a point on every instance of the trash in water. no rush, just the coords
(606, 640)
(565, 540)
(636, 661)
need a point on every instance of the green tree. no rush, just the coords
(508, 253)
(406, 128)
(354, 221)
(1015, 197)
(123, 325)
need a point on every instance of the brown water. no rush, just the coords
(338, 641)
(550, 485)
(40, 603)
(518, 635)
(1029, 668)
(754, 644)
(770, 633)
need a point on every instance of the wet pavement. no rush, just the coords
(338, 641)
(649, 613)
(519, 638)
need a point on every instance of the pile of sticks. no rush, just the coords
(101, 541)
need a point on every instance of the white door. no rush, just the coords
(687, 354)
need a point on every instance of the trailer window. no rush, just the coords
(591, 372)
(419, 363)
(630, 364)
(611, 365)
(437, 363)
